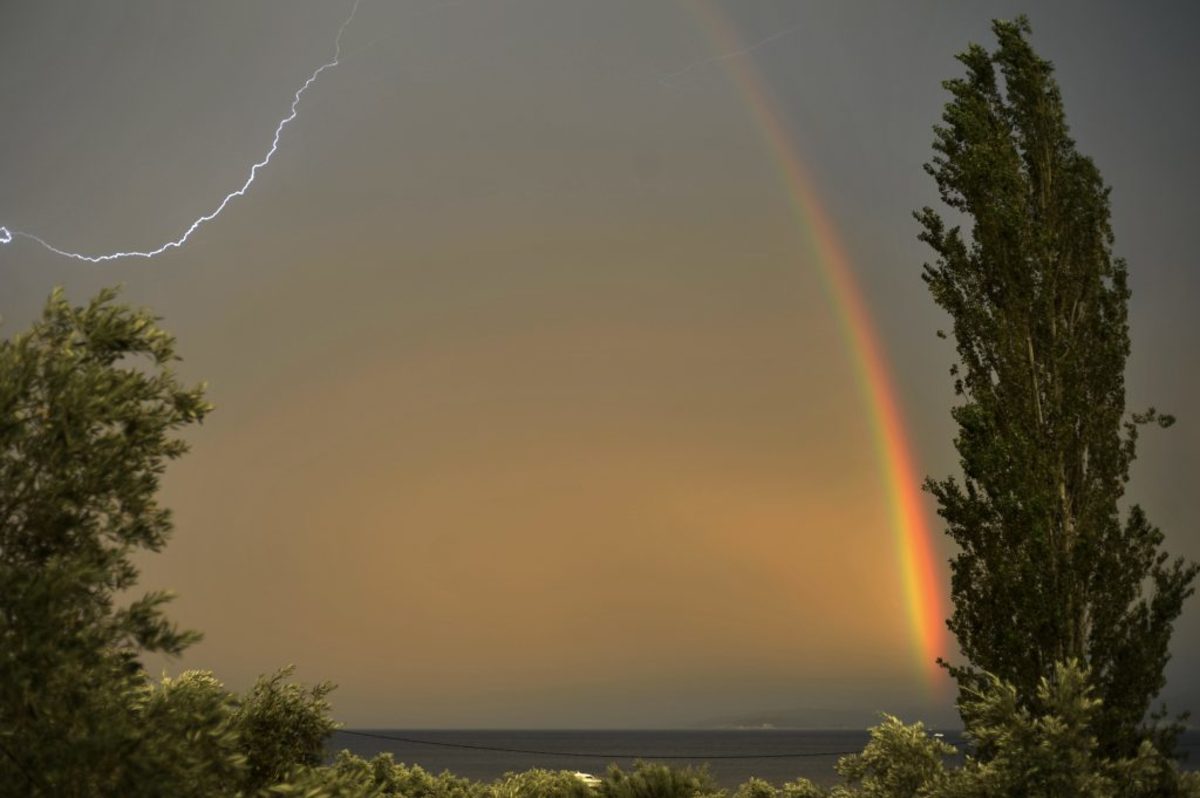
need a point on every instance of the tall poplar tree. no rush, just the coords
(1048, 570)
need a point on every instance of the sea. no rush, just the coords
(731, 755)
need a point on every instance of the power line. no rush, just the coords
(588, 754)
(597, 755)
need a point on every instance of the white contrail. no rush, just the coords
(7, 235)
(667, 80)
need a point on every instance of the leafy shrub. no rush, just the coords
(385, 777)
(1051, 750)
(756, 788)
(282, 726)
(651, 780)
(540, 784)
(801, 788)
(325, 782)
(899, 762)
(188, 725)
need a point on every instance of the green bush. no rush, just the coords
(385, 777)
(1051, 750)
(651, 780)
(325, 782)
(756, 788)
(899, 762)
(188, 725)
(540, 784)
(1047, 751)
(801, 788)
(281, 726)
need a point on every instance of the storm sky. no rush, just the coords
(532, 409)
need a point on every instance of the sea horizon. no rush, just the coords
(732, 755)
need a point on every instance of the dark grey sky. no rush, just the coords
(515, 348)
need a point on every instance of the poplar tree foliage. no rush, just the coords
(1048, 571)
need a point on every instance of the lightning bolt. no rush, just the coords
(7, 235)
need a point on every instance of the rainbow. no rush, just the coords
(902, 480)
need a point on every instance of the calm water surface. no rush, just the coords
(810, 753)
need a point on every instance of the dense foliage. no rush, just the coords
(1047, 571)
(89, 411)
(350, 775)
